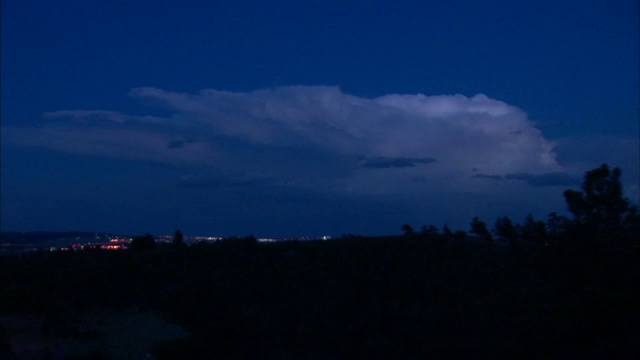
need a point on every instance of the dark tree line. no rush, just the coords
(599, 212)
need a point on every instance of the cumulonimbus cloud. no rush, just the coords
(295, 130)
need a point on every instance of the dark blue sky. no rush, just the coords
(291, 118)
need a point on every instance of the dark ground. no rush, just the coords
(405, 297)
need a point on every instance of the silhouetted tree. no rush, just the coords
(145, 242)
(430, 230)
(178, 239)
(446, 230)
(480, 229)
(556, 224)
(505, 229)
(532, 230)
(631, 220)
(600, 204)
(408, 229)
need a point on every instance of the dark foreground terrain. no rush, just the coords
(560, 289)
(407, 297)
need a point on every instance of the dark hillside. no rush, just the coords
(396, 297)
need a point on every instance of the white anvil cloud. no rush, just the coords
(311, 135)
(479, 132)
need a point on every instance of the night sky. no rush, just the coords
(310, 118)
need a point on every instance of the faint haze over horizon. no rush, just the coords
(293, 119)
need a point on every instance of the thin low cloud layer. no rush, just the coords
(549, 179)
(399, 162)
(311, 137)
